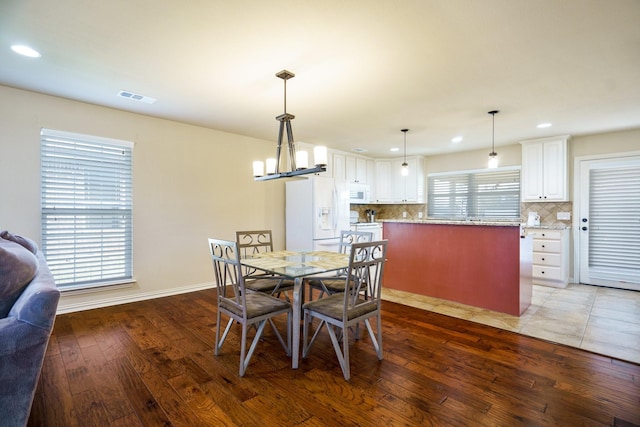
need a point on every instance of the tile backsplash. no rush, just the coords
(391, 211)
(548, 211)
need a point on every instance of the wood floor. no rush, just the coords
(151, 364)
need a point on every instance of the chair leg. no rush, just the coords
(341, 352)
(377, 343)
(246, 358)
(287, 345)
(217, 333)
(243, 346)
(220, 340)
(306, 343)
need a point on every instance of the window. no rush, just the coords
(86, 209)
(485, 194)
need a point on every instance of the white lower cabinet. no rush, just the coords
(550, 256)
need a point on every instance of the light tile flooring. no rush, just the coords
(598, 319)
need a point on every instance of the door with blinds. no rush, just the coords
(609, 222)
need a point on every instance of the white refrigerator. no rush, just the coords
(317, 210)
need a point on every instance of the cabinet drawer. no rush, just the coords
(547, 259)
(549, 273)
(549, 234)
(546, 246)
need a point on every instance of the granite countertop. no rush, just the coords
(557, 226)
(456, 222)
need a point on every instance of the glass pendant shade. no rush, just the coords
(320, 155)
(493, 160)
(302, 160)
(258, 168)
(271, 166)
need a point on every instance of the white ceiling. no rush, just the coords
(364, 68)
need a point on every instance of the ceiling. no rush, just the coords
(364, 68)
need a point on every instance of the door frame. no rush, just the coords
(577, 191)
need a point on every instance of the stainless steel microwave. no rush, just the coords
(358, 193)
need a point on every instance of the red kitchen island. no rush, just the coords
(482, 264)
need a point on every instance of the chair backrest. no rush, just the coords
(253, 242)
(348, 237)
(364, 275)
(226, 266)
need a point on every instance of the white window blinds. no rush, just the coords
(614, 230)
(86, 209)
(493, 194)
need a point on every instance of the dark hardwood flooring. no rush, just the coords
(151, 363)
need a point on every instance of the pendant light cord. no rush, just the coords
(405, 145)
(285, 96)
(493, 130)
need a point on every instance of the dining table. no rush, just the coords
(297, 266)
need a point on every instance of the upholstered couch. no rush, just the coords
(28, 303)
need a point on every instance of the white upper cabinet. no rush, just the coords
(544, 170)
(384, 189)
(392, 187)
(356, 169)
(338, 169)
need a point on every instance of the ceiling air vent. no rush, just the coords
(136, 97)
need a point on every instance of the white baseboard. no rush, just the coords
(125, 299)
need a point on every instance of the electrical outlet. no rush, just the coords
(419, 214)
(404, 214)
(564, 215)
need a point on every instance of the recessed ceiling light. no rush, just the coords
(544, 125)
(394, 149)
(457, 139)
(25, 51)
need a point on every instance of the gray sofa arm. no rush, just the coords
(39, 301)
(24, 336)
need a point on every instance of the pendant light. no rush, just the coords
(493, 156)
(405, 167)
(298, 160)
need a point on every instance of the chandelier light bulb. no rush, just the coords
(258, 168)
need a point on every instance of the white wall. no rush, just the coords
(509, 155)
(189, 183)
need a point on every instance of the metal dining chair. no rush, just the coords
(358, 303)
(330, 285)
(247, 308)
(253, 242)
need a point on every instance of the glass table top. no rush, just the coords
(297, 264)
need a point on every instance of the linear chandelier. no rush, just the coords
(298, 161)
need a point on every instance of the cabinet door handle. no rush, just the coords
(542, 272)
(543, 246)
(543, 259)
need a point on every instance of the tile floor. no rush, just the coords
(598, 319)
